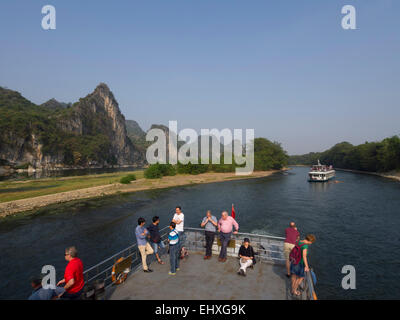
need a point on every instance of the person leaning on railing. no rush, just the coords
(143, 246)
(298, 270)
(155, 238)
(225, 227)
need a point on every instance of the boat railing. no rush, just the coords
(308, 287)
(103, 270)
(268, 248)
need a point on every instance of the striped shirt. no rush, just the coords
(173, 237)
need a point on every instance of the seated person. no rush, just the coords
(246, 255)
(39, 293)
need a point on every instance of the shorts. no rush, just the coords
(297, 269)
(287, 247)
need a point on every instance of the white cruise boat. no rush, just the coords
(321, 173)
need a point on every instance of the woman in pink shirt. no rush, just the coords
(225, 226)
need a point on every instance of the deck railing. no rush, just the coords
(268, 249)
(102, 270)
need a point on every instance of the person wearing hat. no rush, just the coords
(246, 255)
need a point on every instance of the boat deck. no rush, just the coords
(200, 279)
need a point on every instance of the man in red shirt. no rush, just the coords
(73, 276)
(292, 236)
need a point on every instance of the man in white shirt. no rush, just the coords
(179, 220)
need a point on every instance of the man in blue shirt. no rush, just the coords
(39, 293)
(143, 246)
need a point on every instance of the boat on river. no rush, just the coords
(321, 173)
(200, 279)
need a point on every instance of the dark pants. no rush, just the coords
(224, 237)
(174, 256)
(72, 296)
(210, 235)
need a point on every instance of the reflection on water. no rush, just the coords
(355, 222)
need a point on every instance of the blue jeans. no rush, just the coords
(225, 238)
(155, 246)
(174, 256)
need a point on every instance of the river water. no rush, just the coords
(356, 222)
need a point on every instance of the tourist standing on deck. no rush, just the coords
(143, 246)
(173, 239)
(292, 236)
(246, 255)
(298, 270)
(209, 224)
(179, 220)
(73, 276)
(225, 227)
(155, 237)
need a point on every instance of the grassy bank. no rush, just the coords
(16, 190)
(33, 195)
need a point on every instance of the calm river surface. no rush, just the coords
(356, 222)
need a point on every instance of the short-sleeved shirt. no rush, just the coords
(181, 216)
(209, 226)
(154, 233)
(291, 235)
(302, 247)
(74, 270)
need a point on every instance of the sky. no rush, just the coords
(286, 69)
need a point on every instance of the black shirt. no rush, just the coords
(154, 233)
(246, 252)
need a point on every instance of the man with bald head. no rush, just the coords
(225, 227)
(292, 237)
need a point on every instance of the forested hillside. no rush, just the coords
(380, 156)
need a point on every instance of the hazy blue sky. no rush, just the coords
(285, 68)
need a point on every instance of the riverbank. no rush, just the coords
(389, 175)
(104, 185)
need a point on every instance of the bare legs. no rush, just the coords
(295, 284)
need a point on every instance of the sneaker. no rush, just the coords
(177, 269)
(241, 272)
(148, 270)
(171, 273)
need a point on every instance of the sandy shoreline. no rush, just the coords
(29, 204)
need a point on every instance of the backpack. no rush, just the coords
(295, 254)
